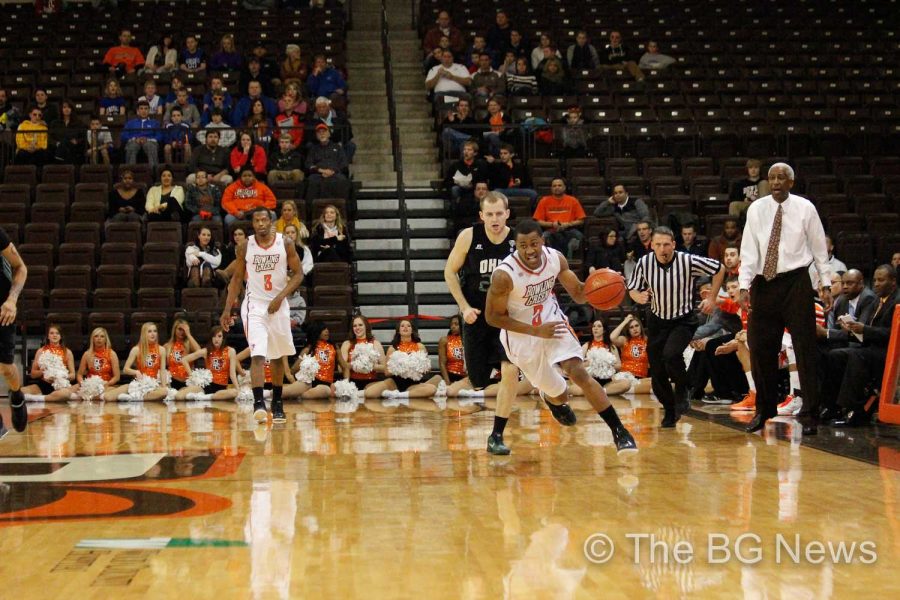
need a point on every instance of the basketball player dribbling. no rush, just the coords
(536, 334)
(265, 259)
(475, 255)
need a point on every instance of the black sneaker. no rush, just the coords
(670, 419)
(259, 411)
(278, 412)
(3, 429)
(563, 413)
(19, 410)
(495, 445)
(625, 443)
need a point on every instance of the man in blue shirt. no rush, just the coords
(325, 80)
(193, 59)
(242, 108)
(141, 133)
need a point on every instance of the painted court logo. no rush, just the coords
(265, 262)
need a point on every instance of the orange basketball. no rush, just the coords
(605, 289)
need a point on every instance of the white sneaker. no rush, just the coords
(791, 406)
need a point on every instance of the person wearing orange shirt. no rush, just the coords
(562, 217)
(124, 58)
(321, 348)
(244, 195)
(100, 360)
(633, 357)
(222, 362)
(43, 389)
(148, 358)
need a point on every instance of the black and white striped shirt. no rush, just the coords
(671, 286)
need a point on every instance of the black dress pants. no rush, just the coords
(666, 341)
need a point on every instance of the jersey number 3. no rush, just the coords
(536, 315)
(267, 283)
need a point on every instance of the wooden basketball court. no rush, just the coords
(128, 501)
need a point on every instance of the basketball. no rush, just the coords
(605, 289)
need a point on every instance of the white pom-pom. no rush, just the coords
(309, 368)
(54, 370)
(244, 380)
(364, 358)
(199, 378)
(409, 365)
(345, 388)
(140, 386)
(441, 402)
(600, 363)
(92, 387)
(346, 405)
(441, 391)
(170, 395)
(245, 396)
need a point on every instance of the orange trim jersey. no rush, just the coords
(55, 349)
(634, 357)
(598, 344)
(408, 346)
(455, 361)
(326, 354)
(355, 374)
(175, 362)
(149, 365)
(219, 364)
(100, 365)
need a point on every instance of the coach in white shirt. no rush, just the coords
(448, 78)
(782, 237)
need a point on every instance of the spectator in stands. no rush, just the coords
(850, 370)
(509, 176)
(293, 67)
(330, 241)
(582, 54)
(201, 258)
(244, 195)
(165, 201)
(212, 158)
(141, 134)
(518, 45)
(247, 155)
(541, 52)
(434, 58)
(157, 103)
(99, 143)
(285, 164)
(731, 260)
(227, 58)
(639, 244)
(290, 215)
(293, 92)
(521, 81)
(267, 64)
(574, 135)
(227, 134)
(895, 260)
(486, 82)
(744, 191)
(855, 300)
(608, 254)
(48, 109)
(509, 63)
(628, 211)
(289, 123)
(458, 126)
(217, 88)
(479, 47)
(731, 234)
(177, 138)
(653, 59)
(257, 114)
(326, 167)
(204, 199)
(498, 125)
(9, 115)
(562, 217)
(112, 103)
(238, 236)
(617, 56)
(689, 242)
(466, 172)
(67, 136)
(552, 79)
(242, 109)
(444, 27)
(499, 34)
(123, 59)
(176, 83)
(448, 78)
(193, 58)
(325, 80)
(162, 57)
(189, 113)
(253, 71)
(32, 140)
(291, 232)
(127, 201)
(341, 130)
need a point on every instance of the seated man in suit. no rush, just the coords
(857, 301)
(851, 369)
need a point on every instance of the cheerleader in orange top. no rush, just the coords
(362, 334)
(633, 355)
(222, 362)
(147, 358)
(320, 347)
(180, 344)
(100, 360)
(42, 389)
(450, 354)
(406, 339)
(599, 339)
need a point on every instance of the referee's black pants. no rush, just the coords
(666, 341)
(786, 301)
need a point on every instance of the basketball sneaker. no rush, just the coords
(625, 443)
(563, 413)
(748, 404)
(496, 446)
(19, 410)
(259, 411)
(278, 412)
(791, 405)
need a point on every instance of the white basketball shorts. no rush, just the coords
(537, 358)
(268, 335)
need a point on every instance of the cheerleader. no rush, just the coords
(319, 347)
(180, 344)
(634, 360)
(406, 339)
(43, 389)
(146, 359)
(221, 360)
(100, 361)
(362, 334)
(450, 354)
(599, 340)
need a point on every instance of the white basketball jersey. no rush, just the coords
(266, 269)
(532, 299)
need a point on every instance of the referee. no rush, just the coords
(665, 278)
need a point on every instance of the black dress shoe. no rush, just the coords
(853, 418)
(758, 422)
(670, 419)
(828, 414)
(811, 428)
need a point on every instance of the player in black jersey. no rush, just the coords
(12, 280)
(478, 249)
